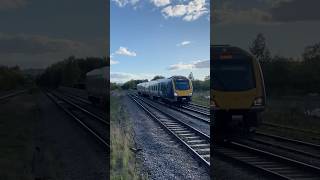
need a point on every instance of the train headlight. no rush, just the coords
(258, 101)
(190, 94)
(175, 94)
(213, 104)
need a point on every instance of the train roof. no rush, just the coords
(177, 77)
(162, 80)
(103, 72)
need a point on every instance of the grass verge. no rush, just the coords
(123, 163)
(19, 116)
(201, 98)
(290, 112)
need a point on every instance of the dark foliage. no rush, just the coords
(132, 84)
(157, 77)
(287, 76)
(70, 71)
(199, 85)
(11, 78)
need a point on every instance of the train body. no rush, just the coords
(237, 90)
(97, 85)
(173, 89)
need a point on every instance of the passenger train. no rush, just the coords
(237, 91)
(174, 89)
(97, 85)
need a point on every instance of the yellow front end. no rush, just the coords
(233, 100)
(184, 95)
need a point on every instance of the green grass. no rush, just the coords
(123, 163)
(200, 97)
(289, 112)
(18, 119)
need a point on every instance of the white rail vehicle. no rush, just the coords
(97, 85)
(173, 89)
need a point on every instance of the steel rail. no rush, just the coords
(55, 98)
(286, 148)
(202, 112)
(4, 97)
(316, 146)
(198, 105)
(84, 110)
(184, 112)
(268, 163)
(194, 140)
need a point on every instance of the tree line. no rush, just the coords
(285, 75)
(70, 71)
(11, 78)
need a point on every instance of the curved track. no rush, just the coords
(196, 142)
(92, 123)
(199, 115)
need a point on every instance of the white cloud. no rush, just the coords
(227, 16)
(180, 66)
(275, 3)
(202, 64)
(160, 3)
(190, 12)
(124, 51)
(121, 77)
(174, 11)
(113, 62)
(194, 65)
(184, 43)
(122, 3)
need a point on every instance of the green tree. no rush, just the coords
(157, 77)
(191, 76)
(259, 48)
(312, 52)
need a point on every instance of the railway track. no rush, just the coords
(278, 126)
(190, 112)
(290, 145)
(81, 99)
(199, 115)
(196, 142)
(7, 96)
(274, 165)
(92, 123)
(197, 108)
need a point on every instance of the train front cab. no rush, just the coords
(237, 92)
(177, 89)
(183, 90)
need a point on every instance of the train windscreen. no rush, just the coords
(182, 84)
(233, 75)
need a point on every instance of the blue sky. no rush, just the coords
(159, 37)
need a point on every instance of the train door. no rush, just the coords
(158, 89)
(163, 90)
(170, 93)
